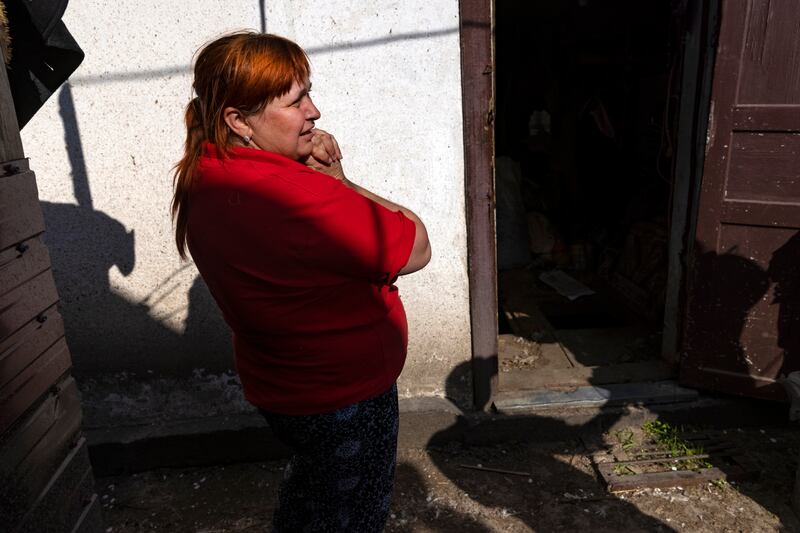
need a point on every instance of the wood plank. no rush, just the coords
(33, 451)
(61, 503)
(665, 458)
(10, 167)
(20, 211)
(10, 141)
(21, 263)
(651, 464)
(19, 306)
(705, 377)
(762, 167)
(24, 346)
(31, 384)
(695, 103)
(766, 117)
(49, 427)
(677, 478)
(761, 214)
(91, 519)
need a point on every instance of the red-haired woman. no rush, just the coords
(302, 262)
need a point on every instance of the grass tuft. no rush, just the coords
(667, 437)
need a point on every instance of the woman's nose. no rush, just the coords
(312, 113)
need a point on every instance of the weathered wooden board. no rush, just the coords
(650, 465)
(21, 393)
(22, 262)
(477, 82)
(25, 345)
(26, 302)
(91, 519)
(61, 504)
(10, 141)
(31, 453)
(20, 213)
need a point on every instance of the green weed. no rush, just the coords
(720, 483)
(667, 437)
(623, 470)
(626, 438)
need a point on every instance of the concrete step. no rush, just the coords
(646, 393)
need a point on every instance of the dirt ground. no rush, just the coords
(553, 487)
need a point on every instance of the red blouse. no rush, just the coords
(302, 268)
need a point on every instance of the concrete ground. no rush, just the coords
(557, 490)
(546, 482)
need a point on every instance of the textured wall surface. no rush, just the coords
(386, 79)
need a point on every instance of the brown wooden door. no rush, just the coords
(743, 317)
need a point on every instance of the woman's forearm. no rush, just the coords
(421, 251)
(326, 158)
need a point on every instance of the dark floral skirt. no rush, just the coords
(341, 475)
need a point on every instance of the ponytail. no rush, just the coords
(184, 172)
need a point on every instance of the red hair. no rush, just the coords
(245, 70)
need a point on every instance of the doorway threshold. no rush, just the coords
(536, 379)
(615, 394)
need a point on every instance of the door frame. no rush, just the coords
(694, 111)
(476, 21)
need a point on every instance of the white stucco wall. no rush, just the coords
(387, 80)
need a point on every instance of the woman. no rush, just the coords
(301, 261)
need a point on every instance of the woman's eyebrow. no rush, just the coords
(304, 91)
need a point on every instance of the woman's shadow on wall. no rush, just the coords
(108, 332)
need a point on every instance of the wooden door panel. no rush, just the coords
(758, 213)
(769, 71)
(742, 325)
(774, 117)
(758, 337)
(763, 167)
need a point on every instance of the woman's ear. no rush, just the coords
(235, 120)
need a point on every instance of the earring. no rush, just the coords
(246, 139)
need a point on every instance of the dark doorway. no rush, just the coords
(588, 97)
